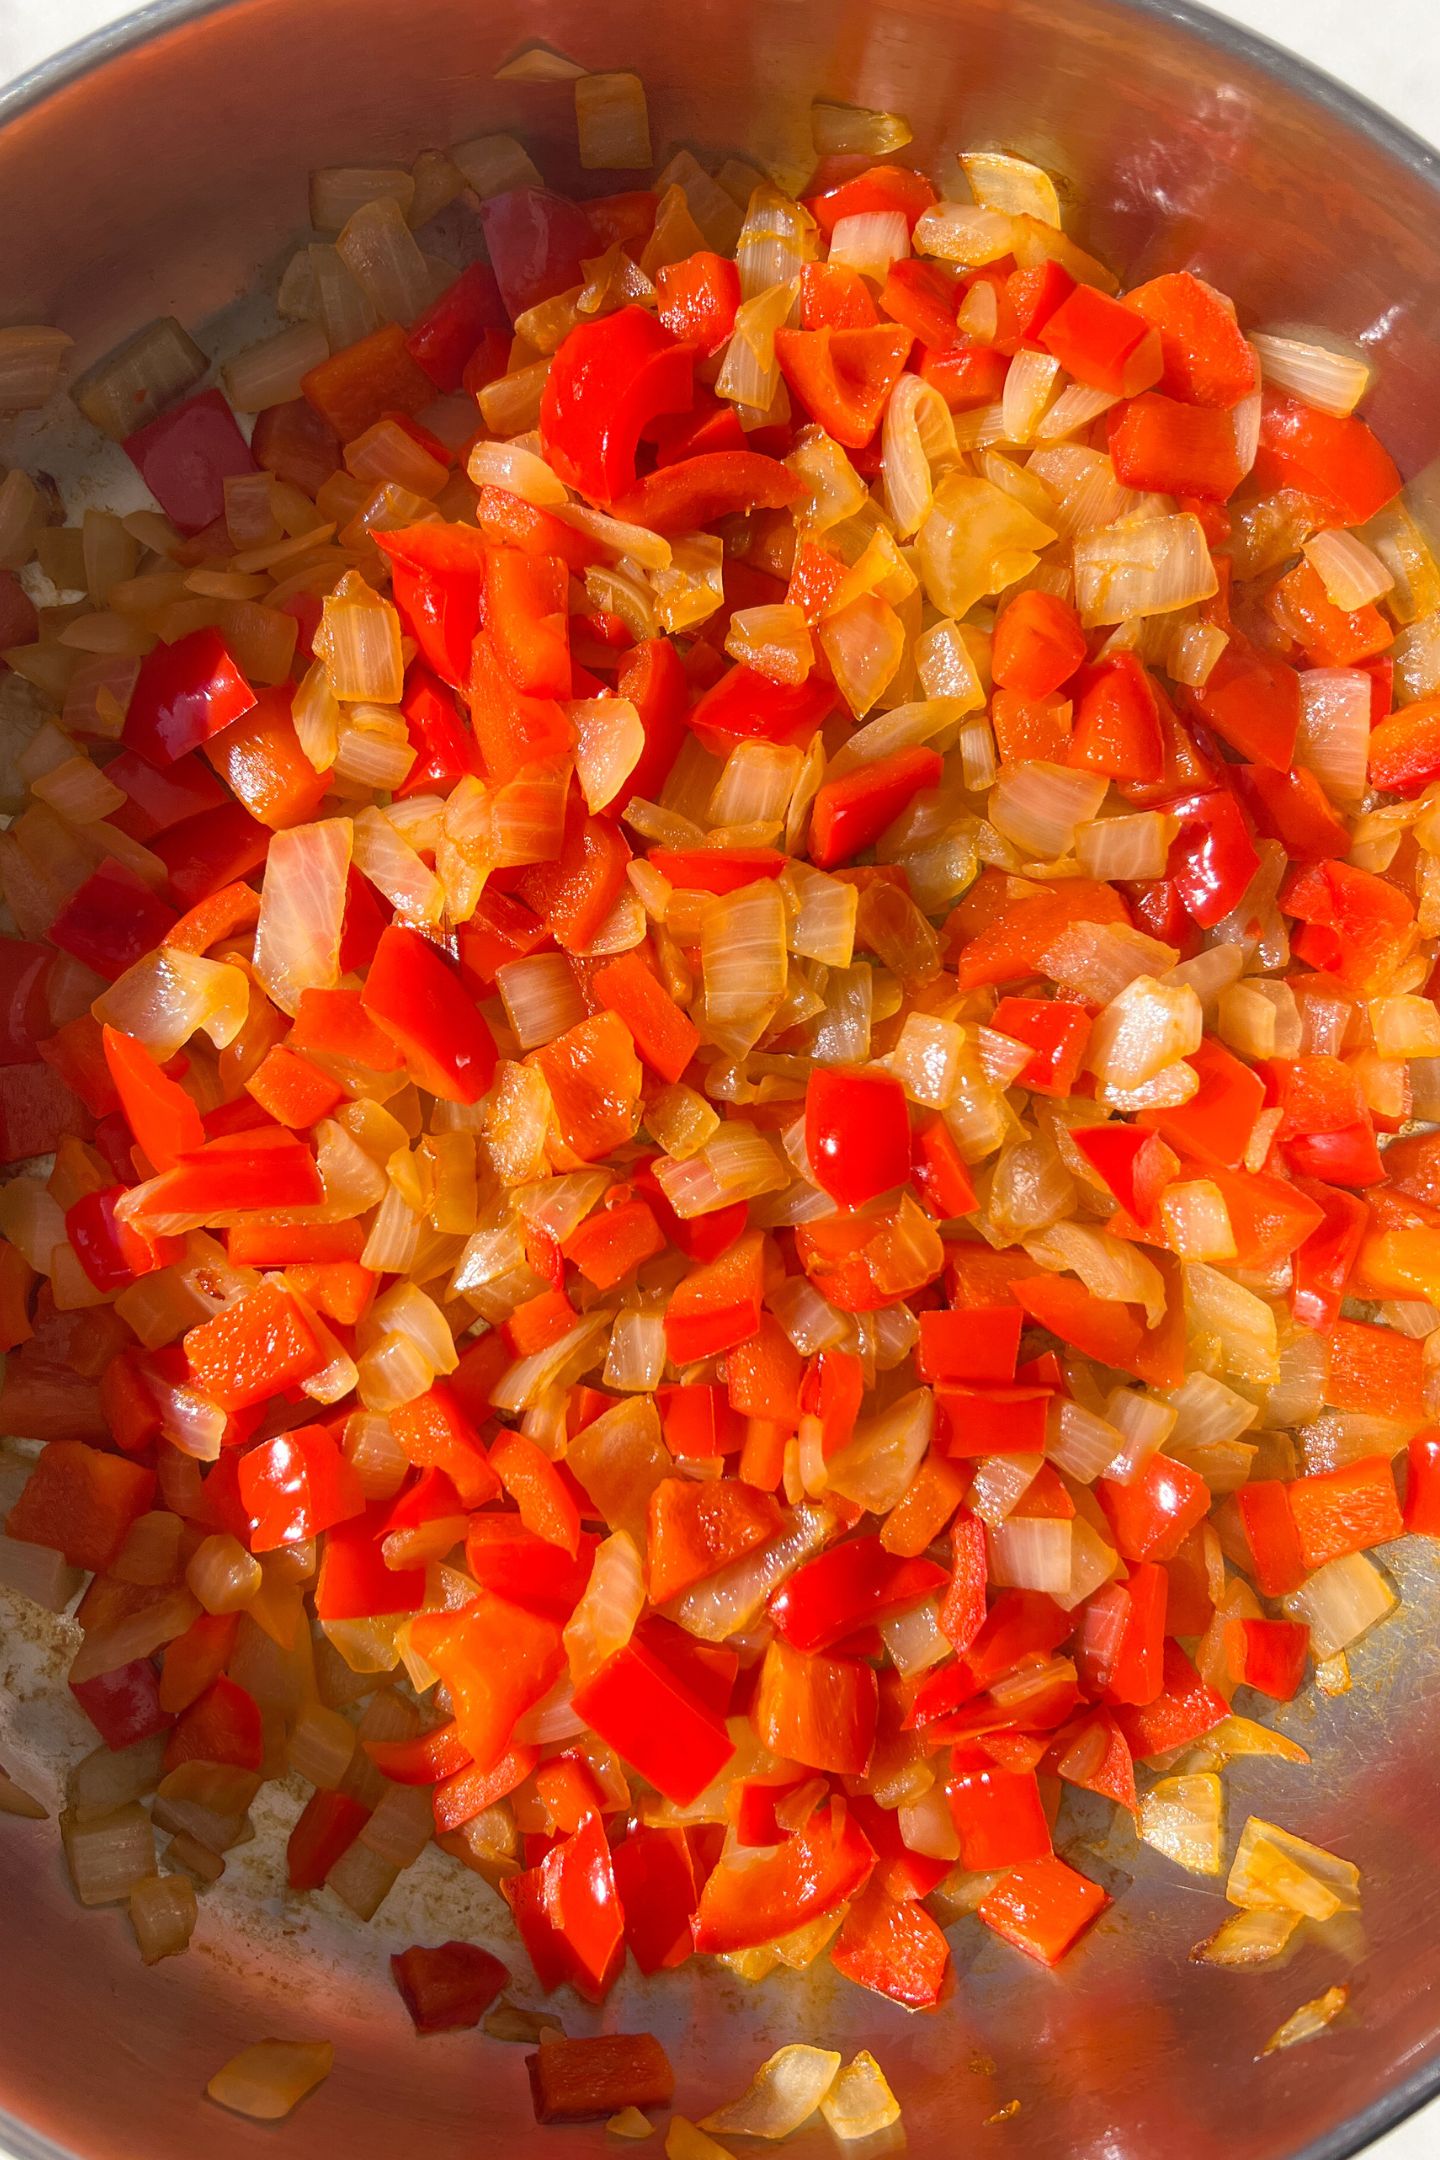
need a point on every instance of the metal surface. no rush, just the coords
(158, 170)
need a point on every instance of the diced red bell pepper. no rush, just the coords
(608, 378)
(813, 1871)
(718, 1305)
(1294, 809)
(1158, 443)
(662, 1728)
(221, 1726)
(841, 1590)
(697, 298)
(327, 1827)
(419, 1000)
(1029, 298)
(1212, 857)
(1055, 1032)
(834, 297)
(1343, 1511)
(186, 456)
(693, 492)
(367, 381)
(80, 1502)
(880, 188)
(1010, 943)
(1207, 359)
(1405, 750)
(993, 1420)
(613, 1242)
(1330, 636)
(124, 1706)
(1103, 343)
(1117, 721)
(1323, 1264)
(184, 693)
(1268, 1655)
(260, 759)
(857, 1134)
(1359, 926)
(919, 295)
(1422, 1491)
(1216, 1124)
(654, 681)
(1338, 461)
(112, 921)
(849, 814)
(295, 1486)
(1186, 1708)
(655, 1876)
(1038, 644)
(438, 579)
(695, 1529)
(112, 1253)
(1043, 1907)
(844, 377)
(716, 870)
(665, 1037)
(537, 243)
(744, 706)
(574, 894)
(998, 1814)
(525, 613)
(978, 1344)
(1151, 1517)
(253, 1348)
(940, 1175)
(583, 1906)
(216, 848)
(444, 337)
(24, 1009)
(449, 1988)
(893, 1948)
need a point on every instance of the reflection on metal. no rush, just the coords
(162, 181)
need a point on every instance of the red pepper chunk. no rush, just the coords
(844, 377)
(841, 1590)
(80, 1503)
(1159, 444)
(1345, 1511)
(1043, 1907)
(1207, 359)
(443, 338)
(497, 1660)
(998, 1814)
(1103, 343)
(1338, 461)
(695, 1529)
(857, 1134)
(607, 380)
(253, 1349)
(849, 814)
(113, 1254)
(810, 1874)
(1056, 1034)
(582, 1904)
(186, 456)
(1038, 644)
(125, 1705)
(220, 1726)
(665, 1037)
(881, 188)
(184, 693)
(449, 1988)
(718, 1305)
(419, 1000)
(894, 1948)
(817, 1710)
(637, 1704)
(537, 243)
(296, 1486)
(574, 893)
(655, 1877)
(1152, 1516)
(697, 298)
(744, 706)
(695, 491)
(111, 921)
(438, 580)
(1268, 1655)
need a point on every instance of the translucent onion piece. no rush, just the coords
(1029, 385)
(729, 1602)
(784, 2093)
(836, 129)
(750, 374)
(493, 164)
(1341, 1602)
(635, 1360)
(612, 122)
(860, 2103)
(518, 471)
(1181, 1817)
(1334, 735)
(170, 995)
(917, 433)
(302, 910)
(222, 1574)
(775, 641)
(964, 233)
(1031, 1553)
(541, 997)
(1274, 1870)
(1353, 574)
(977, 540)
(1144, 1028)
(163, 1912)
(1309, 2020)
(270, 373)
(864, 645)
(738, 1164)
(1150, 567)
(609, 739)
(537, 63)
(32, 360)
(1248, 1938)
(1137, 846)
(359, 641)
(1039, 806)
(109, 1854)
(870, 242)
(1108, 1266)
(777, 238)
(135, 382)
(876, 1465)
(742, 954)
(269, 2079)
(1333, 381)
(610, 1604)
(1011, 184)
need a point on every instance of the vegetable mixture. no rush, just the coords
(727, 945)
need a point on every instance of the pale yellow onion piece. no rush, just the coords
(750, 374)
(685, 2140)
(877, 1464)
(975, 541)
(338, 191)
(22, 519)
(742, 953)
(739, 1163)
(837, 129)
(964, 233)
(784, 2093)
(1275, 1870)
(1032, 1553)
(777, 238)
(834, 489)
(384, 857)
(1334, 734)
(1352, 573)
(870, 242)
(537, 63)
(163, 1912)
(609, 740)
(947, 657)
(344, 310)
(1109, 1267)
(1181, 1817)
(1029, 386)
(646, 549)
(824, 927)
(917, 432)
(1405, 1027)
(1194, 652)
(437, 183)
(78, 791)
(612, 280)
(1012, 184)
(926, 1059)
(1239, 1325)
(518, 471)
(166, 997)
(302, 910)
(222, 1574)
(32, 360)
(388, 454)
(1099, 959)
(717, 214)
(864, 644)
(270, 373)
(1309, 2020)
(1074, 409)
(379, 250)
(151, 369)
(1335, 382)
(373, 749)
(493, 164)
(860, 2103)
(1150, 567)
(691, 586)
(1341, 1602)
(1246, 1939)
(511, 403)
(269, 2079)
(541, 997)
(609, 1606)
(630, 2123)
(1134, 846)
(758, 780)
(1038, 806)
(359, 640)
(635, 1360)
(612, 122)
(1146, 1027)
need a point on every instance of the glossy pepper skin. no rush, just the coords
(419, 1000)
(857, 1134)
(607, 380)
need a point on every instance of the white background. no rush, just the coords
(1389, 50)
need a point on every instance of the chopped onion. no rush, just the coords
(135, 382)
(1072, 412)
(541, 997)
(359, 641)
(269, 2079)
(270, 373)
(610, 738)
(742, 955)
(612, 122)
(1309, 2020)
(338, 191)
(537, 63)
(109, 1854)
(1334, 736)
(494, 164)
(918, 432)
(163, 1913)
(729, 1602)
(1352, 574)
(976, 540)
(613, 1599)
(302, 910)
(1335, 382)
(1248, 1938)
(1341, 1602)
(870, 242)
(775, 641)
(1273, 1870)
(1039, 806)
(1011, 184)
(1136, 846)
(784, 2093)
(1181, 1817)
(750, 374)
(1029, 385)
(32, 360)
(635, 1360)
(517, 471)
(964, 233)
(838, 129)
(1149, 567)
(876, 1465)
(222, 1574)
(171, 995)
(1031, 1553)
